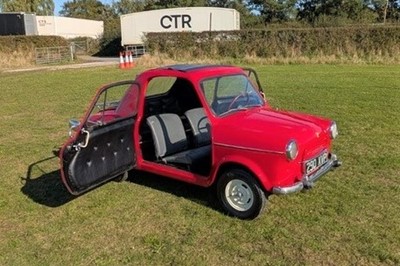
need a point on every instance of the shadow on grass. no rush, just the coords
(200, 195)
(46, 189)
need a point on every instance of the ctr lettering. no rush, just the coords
(176, 21)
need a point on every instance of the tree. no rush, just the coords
(395, 15)
(43, 7)
(349, 11)
(15, 6)
(274, 10)
(159, 4)
(247, 19)
(128, 6)
(87, 9)
(94, 9)
(40, 7)
(386, 10)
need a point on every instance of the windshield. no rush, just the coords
(229, 93)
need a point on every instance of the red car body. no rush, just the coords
(252, 150)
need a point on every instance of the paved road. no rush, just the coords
(88, 58)
(90, 61)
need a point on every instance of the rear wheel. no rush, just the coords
(240, 194)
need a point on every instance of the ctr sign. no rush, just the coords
(175, 21)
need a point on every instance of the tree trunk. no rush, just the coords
(385, 11)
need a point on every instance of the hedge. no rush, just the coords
(287, 43)
(12, 43)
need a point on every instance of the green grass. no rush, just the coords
(351, 217)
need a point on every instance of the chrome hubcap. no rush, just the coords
(239, 195)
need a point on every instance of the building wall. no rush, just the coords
(17, 23)
(196, 19)
(69, 27)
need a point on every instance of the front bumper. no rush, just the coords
(308, 181)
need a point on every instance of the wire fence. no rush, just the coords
(137, 51)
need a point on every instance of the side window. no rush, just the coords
(170, 95)
(208, 87)
(160, 85)
(115, 102)
(254, 78)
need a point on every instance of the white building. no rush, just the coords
(69, 27)
(196, 19)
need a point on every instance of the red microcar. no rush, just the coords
(201, 124)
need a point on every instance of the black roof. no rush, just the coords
(190, 67)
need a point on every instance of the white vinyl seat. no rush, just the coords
(170, 141)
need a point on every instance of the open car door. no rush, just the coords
(101, 146)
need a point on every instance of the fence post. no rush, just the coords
(72, 50)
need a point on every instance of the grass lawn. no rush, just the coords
(351, 217)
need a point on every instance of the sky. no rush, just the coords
(59, 3)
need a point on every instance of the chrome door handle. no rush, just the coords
(86, 139)
(78, 146)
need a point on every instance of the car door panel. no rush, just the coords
(103, 146)
(109, 152)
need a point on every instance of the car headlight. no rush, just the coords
(333, 130)
(291, 150)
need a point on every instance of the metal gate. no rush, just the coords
(51, 55)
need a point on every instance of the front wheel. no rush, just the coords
(240, 194)
(122, 177)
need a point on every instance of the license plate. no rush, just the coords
(315, 163)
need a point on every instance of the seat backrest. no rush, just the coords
(200, 126)
(168, 134)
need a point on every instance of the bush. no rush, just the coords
(109, 47)
(10, 44)
(361, 42)
(110, 43)
(19, 51)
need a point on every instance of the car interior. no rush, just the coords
(175, 130)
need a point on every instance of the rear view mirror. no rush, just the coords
(73, 126)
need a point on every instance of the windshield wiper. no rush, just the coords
(233, 110)
(253, 105)
(241, 108)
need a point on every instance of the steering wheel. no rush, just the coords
(242, 94)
